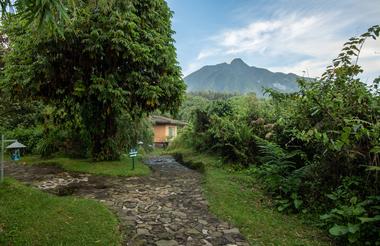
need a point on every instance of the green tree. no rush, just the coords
(113, 58)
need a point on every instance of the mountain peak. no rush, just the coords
(237, 76)
(238, 61)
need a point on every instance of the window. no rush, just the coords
(171, 131)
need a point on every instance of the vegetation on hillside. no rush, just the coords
(316, 151)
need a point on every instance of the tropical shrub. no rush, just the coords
(356, 221)
(30, 137)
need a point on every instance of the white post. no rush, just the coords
(2, 159)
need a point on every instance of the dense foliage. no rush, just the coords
(45, 16)
(114, 63)
(316, 150)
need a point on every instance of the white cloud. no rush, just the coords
(191, 68)
(295, 41)
(369, 57)
(207, 53)
(369, 60)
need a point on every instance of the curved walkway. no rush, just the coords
(164, 209)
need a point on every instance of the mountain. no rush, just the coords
(239, 77)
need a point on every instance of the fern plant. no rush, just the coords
(281, 176)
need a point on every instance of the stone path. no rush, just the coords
(164, 209)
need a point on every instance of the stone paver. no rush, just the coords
(164, 209)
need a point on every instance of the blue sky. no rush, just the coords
(295, 36)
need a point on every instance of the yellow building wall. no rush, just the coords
(161, 132)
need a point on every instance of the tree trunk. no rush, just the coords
(105, 147)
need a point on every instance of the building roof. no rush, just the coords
(161, 120)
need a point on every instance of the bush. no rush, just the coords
(233, 139)
(27, 136)
(356, 221)
(195, 165)
(53, 141)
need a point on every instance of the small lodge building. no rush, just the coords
(165, 129)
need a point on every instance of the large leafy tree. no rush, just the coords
(113, 57)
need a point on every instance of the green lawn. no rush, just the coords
(31, 217)
(236, 197)
(110, 168)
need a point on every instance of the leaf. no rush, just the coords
(315, 112)
(325, 138)
(354, 200)
(298, 203)
(375, 150)
(373, 168)
(338, 145)
(332, 197)
(338, 230)
(284, 205)
(368, 220)
(353, 228)
(325, 216)
(358, 210)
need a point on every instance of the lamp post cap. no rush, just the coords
(16, 145)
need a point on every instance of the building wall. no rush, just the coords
(161, 132)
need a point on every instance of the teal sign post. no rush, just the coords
(133, 154)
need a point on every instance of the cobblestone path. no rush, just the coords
(164, 209)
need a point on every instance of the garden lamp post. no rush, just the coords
(15, 147)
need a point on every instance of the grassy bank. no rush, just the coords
(110, 168)
(31, 217)
(236, 197)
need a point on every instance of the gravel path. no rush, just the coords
(164, 209)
